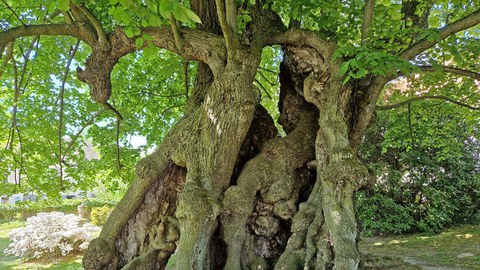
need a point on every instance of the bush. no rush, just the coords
(51, 234)
(100, 214)
(380, 214)
(23, 210)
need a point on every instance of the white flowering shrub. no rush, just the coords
(50, 234)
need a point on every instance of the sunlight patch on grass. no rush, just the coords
(441, 249)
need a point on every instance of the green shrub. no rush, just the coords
(23, 210)
(380, 214)
(100, 214)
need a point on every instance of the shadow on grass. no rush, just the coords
(7, 262)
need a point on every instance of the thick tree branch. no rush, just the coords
(299, 38)
(453, 70)
(231, 14)
(102, 36)
(68, 18)
(452, 28)
(367, 19)
(196, 45)
(228, 32)
(406, 102)
(47, 30)
(372, 93)
(176, 33)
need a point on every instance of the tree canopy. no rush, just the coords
(194, 78)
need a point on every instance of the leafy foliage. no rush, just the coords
(100, 214)
(380, 214)
(21, 210)
(427, 164)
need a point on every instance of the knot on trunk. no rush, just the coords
(97, 72)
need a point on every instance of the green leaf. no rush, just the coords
(139, 42)
(132, 31)
(155, 20)
(147, 37)
(51, 6)
(125, 17)
(185, 15)
(166, 8)
(192, 15)
(343, 68)
(63, 5)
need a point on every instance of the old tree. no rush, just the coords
(223, 189)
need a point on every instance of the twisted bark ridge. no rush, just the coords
(223, 191)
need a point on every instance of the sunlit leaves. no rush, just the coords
(179, 11)
(361, 61)
(62, 5)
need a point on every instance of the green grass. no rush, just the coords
(433, 250)
(7, 262)
(70, 262)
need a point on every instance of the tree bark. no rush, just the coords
(196, 196)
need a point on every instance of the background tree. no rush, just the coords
(425, 154)
(221, 189)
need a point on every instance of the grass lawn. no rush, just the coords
(70, 262)
(453, 248)
(457, 248)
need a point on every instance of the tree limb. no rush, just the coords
(454, 70)
(367, 19)
(8, 56)
(26, 60)
(102, 36)
(68, 18)
(47, 30)
(75, 138)
(185, 77)
(117, 142)
(231, 14)
(410, 126)
(16, 87)
(60, 113)
(176, 34)
(263, 88)
(299, 38)
(20, 142)
(115, 111)
(450, 29)
(406, 102)
(228, 32)
(13, 12)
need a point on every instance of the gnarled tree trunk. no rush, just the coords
(224, 192)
